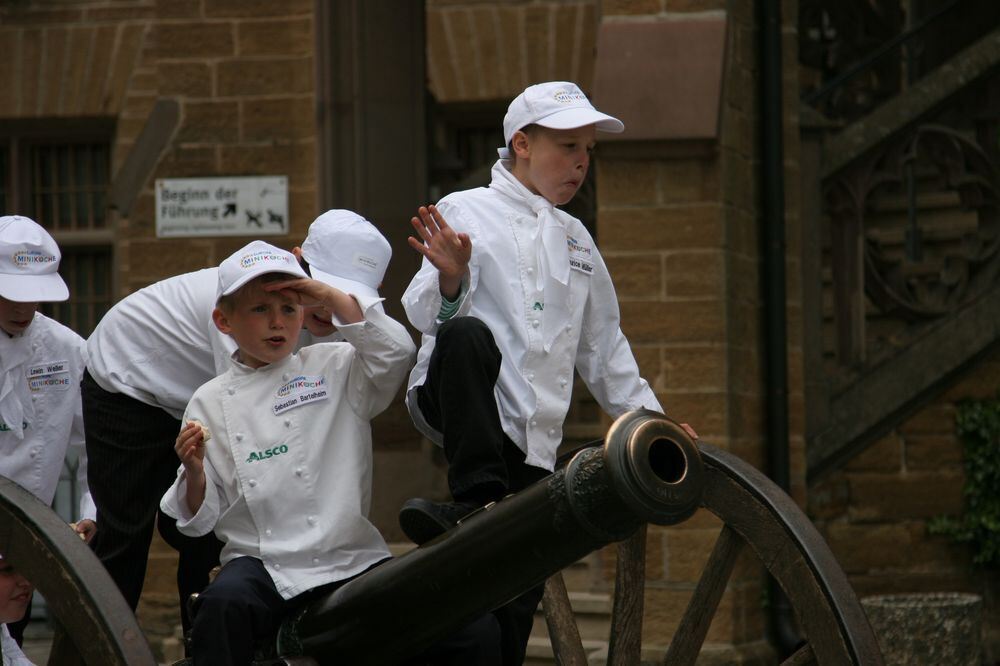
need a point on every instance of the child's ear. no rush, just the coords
(521, 145)
(221, 321)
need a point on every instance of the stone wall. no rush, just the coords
(242, 73)
(884, 498)
(680, 233)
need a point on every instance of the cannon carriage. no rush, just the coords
(647, 471)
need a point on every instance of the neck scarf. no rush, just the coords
(16, 407)
(552, 253)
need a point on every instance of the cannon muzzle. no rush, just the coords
(648, 470)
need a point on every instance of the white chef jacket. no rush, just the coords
(12, 655)
(534, 387)
(159, 344)
(42, 369)
(289, 464)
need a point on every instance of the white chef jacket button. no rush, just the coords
(267, 532)
(535, 323)
(239, 437)
(534, 423)
(288, 423)
(232, 391)
(33, 453)
(277, 567)
(311, 520)
(529, 270)
(298, 471)
(285, 377)
(552, 432)
(569, 327)
(253, 483)
(315, 560)
(34, 398)
(531, 376)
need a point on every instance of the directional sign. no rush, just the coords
(252, 206)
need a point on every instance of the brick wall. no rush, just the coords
(884, 498)
(681, 237)
(241, 71)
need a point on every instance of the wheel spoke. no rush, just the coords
(625, 647)
(803, 657)
(693, 628)
(563, 633)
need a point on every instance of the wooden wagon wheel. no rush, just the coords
(758, 514)
(76, 587)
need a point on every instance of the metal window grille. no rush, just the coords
(68, 185)
(87, 271)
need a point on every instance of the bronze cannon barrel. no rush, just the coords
(647, 471)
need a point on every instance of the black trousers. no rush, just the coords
(131, 463)
(242, 610)
(484, 465)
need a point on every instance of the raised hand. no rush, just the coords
(447, 250)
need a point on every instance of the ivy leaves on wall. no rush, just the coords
(978, 425)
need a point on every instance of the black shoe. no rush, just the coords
(422, 520)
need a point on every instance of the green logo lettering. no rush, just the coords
(257, 456)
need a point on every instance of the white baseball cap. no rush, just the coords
(556, 105)
(29, 262)
(255, 259)
(346, 251)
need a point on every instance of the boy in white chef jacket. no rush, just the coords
(512, 296)
(42, 363)
(146, 358)
(276, 452)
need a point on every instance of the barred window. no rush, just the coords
(69, 184)
(58, 174)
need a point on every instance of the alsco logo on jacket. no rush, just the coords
(257, 456)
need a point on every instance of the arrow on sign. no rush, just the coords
(230, 210)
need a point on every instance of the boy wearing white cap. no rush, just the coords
(147, 356)
(42, 363)
(285, 479)
(512, 294)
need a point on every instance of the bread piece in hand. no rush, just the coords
(206, 434)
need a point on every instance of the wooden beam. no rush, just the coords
(145, 154)
(889, 393)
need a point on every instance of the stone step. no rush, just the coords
(593, 616)
(539, 652)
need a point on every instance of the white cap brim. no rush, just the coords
(571, 119)
(250, 276)
(33, 288)
(345, 285)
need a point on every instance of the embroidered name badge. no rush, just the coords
(301, 390)
(53, 375)
(580, 256)
(50, 368)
